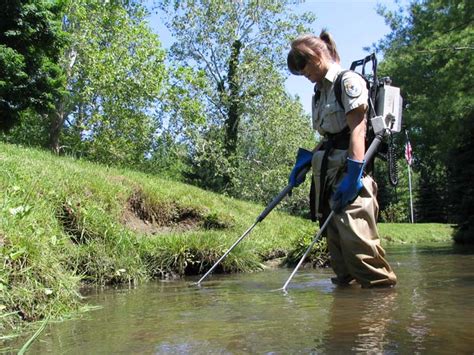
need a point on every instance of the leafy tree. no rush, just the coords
(236, 44)
(30, 45)
(428, 54)
(115, 73)
(271, 134)
(119, 102)
(460, 171)
(180, 114)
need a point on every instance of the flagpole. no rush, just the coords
(409, 157)
(411, 198)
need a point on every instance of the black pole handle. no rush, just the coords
(372, 150)
(281, 195)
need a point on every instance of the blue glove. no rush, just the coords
(303, 159)
(350, 185)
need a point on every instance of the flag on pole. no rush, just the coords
(408, 153)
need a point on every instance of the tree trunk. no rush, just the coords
(59, 116)
(57, 122)
(233, 112)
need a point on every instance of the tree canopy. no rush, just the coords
(430, 54)
(116, 73)
(30, 45)
(240, 47)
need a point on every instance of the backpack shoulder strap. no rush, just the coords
(338, 87)
(317, 93)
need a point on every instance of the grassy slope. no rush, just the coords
(61, 224)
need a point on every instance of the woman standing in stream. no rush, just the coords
(340, 182)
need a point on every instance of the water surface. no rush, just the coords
(430, 311)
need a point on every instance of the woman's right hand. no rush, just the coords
(303, 160)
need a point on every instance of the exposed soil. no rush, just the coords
(68, 216)
(135, 222)
(144, 217)
(161, 218)
(274, 263)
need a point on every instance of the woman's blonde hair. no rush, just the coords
(310, 47)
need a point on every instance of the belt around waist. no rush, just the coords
(336, 143)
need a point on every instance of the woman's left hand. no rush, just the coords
(350, 185)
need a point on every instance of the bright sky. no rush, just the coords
(354, 25)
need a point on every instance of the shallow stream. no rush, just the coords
(431, 310)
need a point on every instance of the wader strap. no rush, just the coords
(334, 141)
(312, 201)
(328, 147)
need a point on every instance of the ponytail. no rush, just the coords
(326, 37)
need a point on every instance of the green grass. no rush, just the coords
(62, 225)
(407, 233)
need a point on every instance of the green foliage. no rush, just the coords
(428, 54)
(238, 49)
(116, 74)
(317, 257)
(269, 141)
(394, 213)
(418, 233)
(31, 41)
(30, 130)
(394, 201)
(33, 277)
(115, 79)
(177, 256)
(460, 170)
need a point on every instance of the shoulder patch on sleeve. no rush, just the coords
(352, 87)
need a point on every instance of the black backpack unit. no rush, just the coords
(384, 100)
